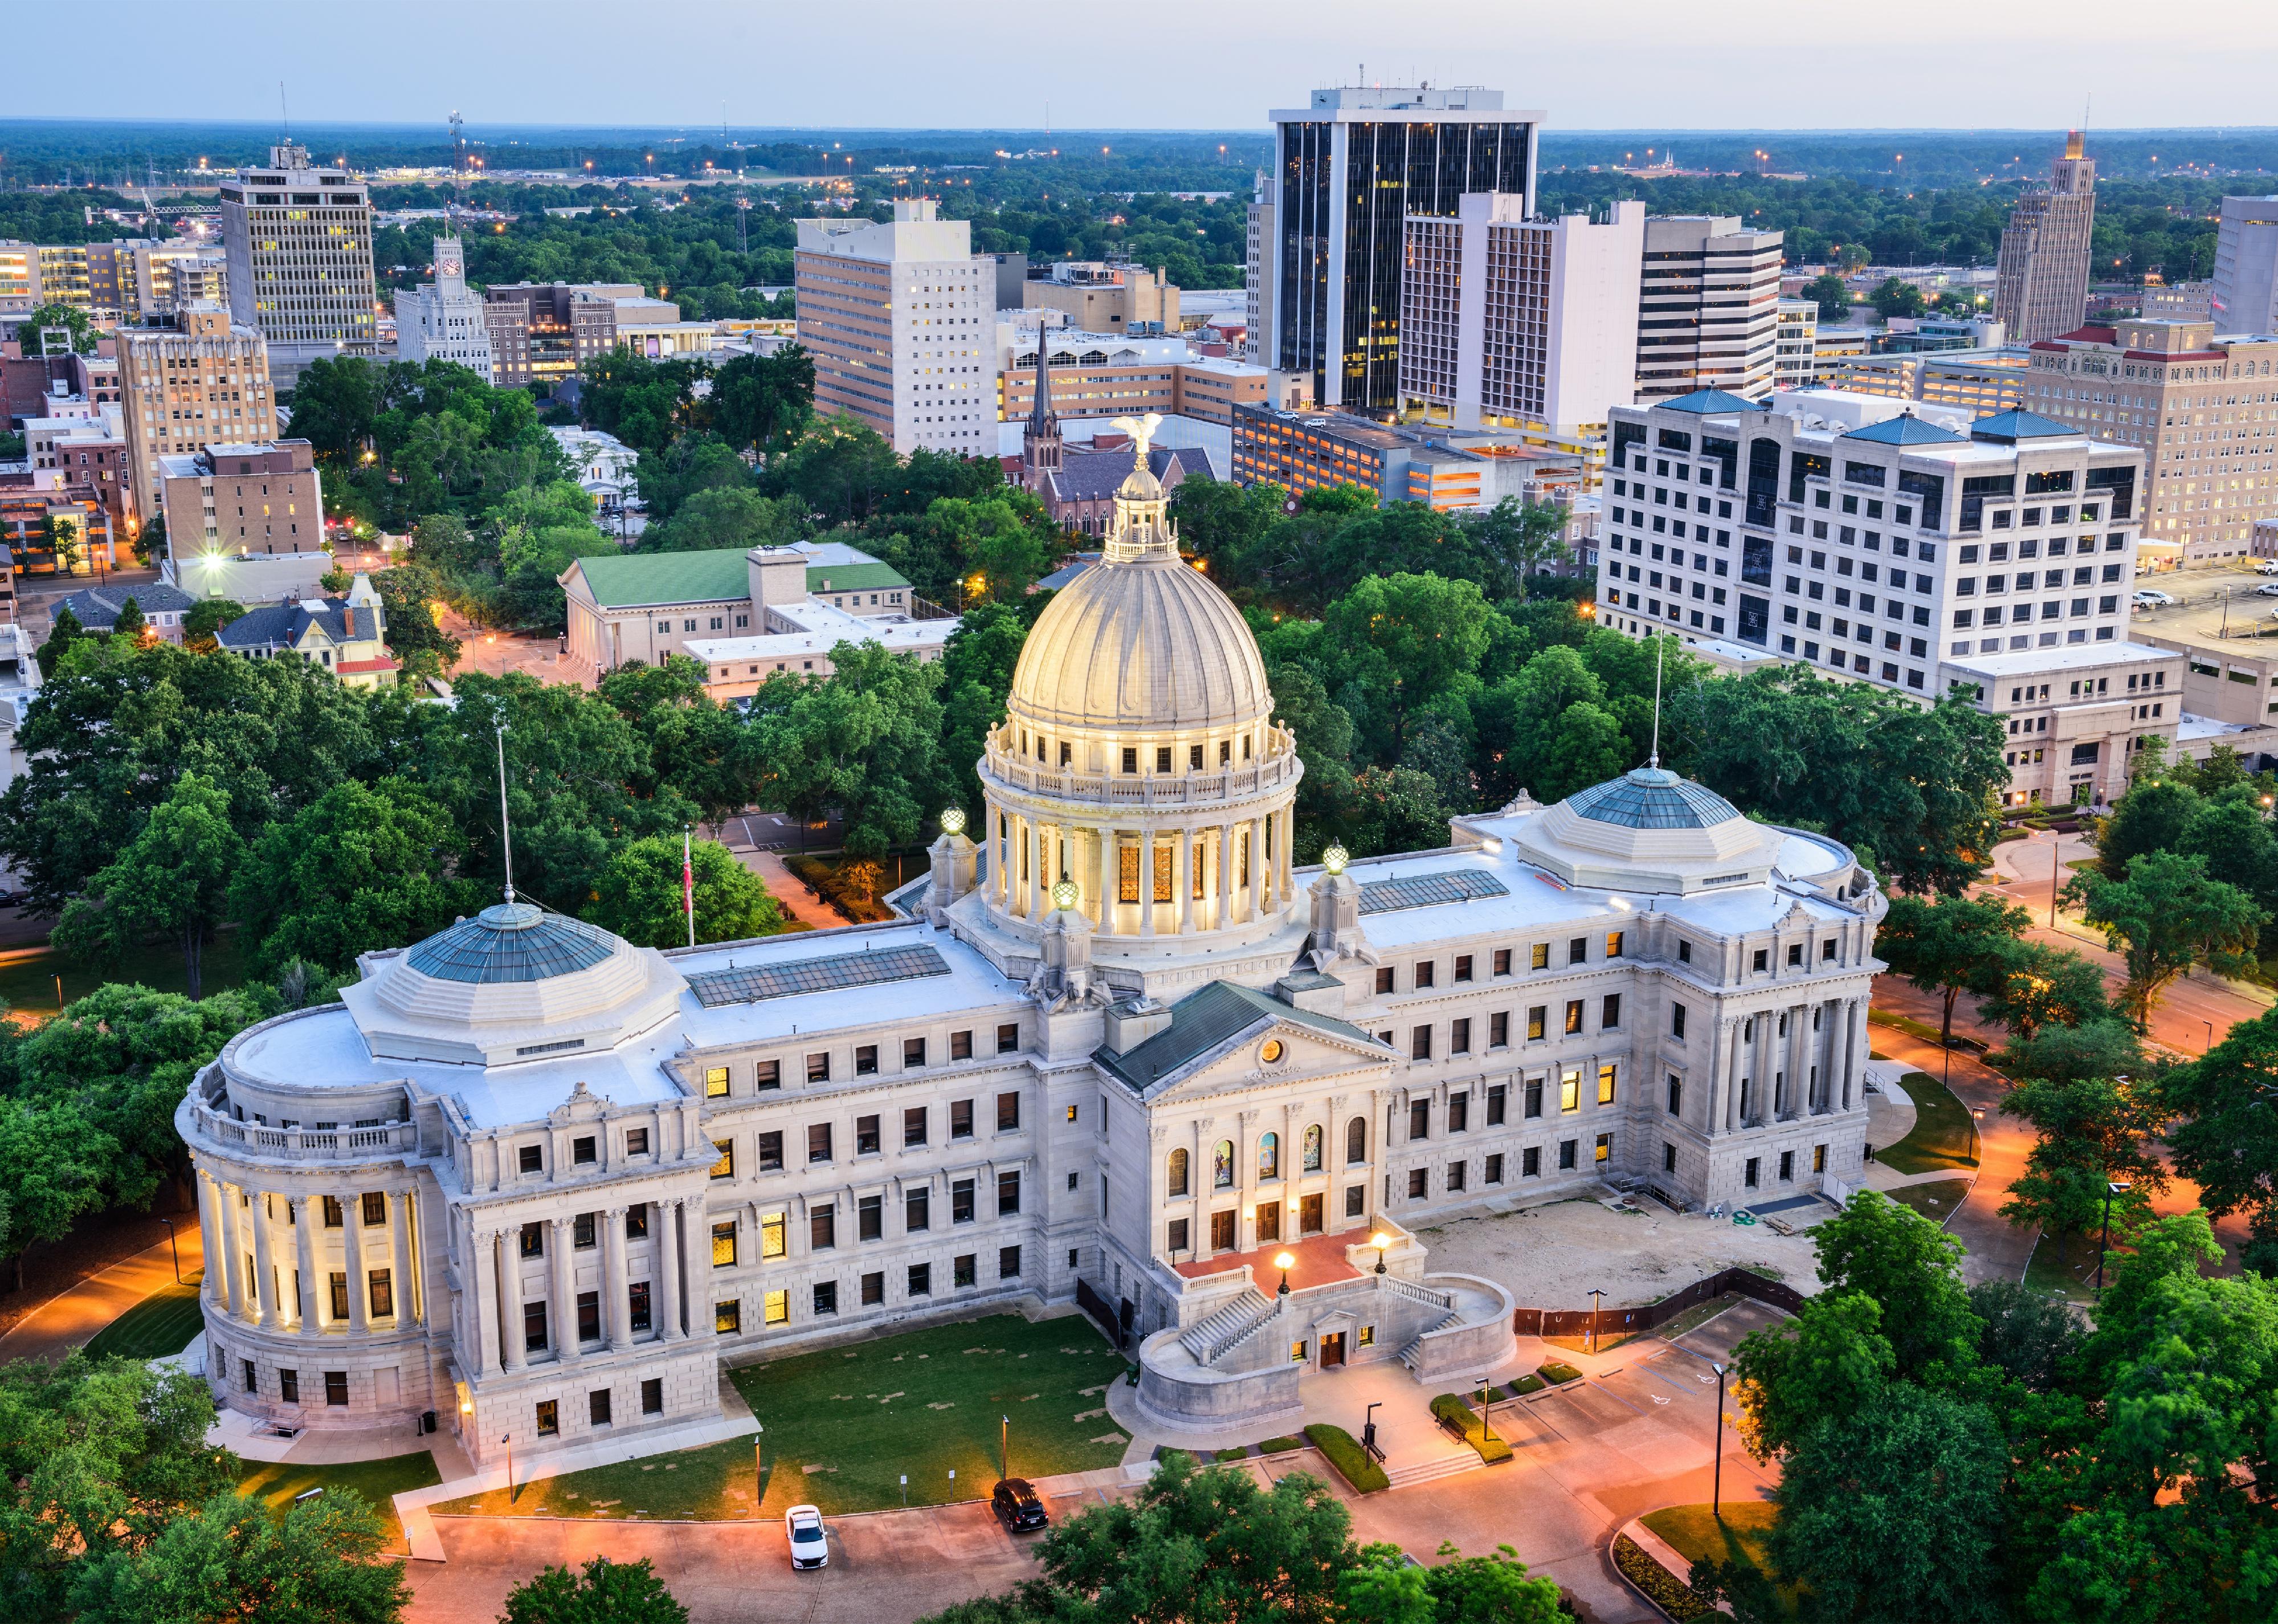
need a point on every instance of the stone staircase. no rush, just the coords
(1429, 1471)
(1213, 1334)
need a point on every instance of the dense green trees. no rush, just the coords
(603, 1592)
(1948, 945)
(1973, 1456)
(171, 880)
(2225, 1140)
(867, 742)
(639, 895)
(2167, 916)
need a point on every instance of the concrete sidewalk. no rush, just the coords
(66, 1319)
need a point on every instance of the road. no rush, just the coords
(1638, 1433)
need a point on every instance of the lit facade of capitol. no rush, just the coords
(542, 1182)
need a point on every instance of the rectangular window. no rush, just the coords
(333, 1203)
(589, 1316)
(1495, 1169)
(1459, 1111)
(636, 1305)
(775, 1308)
(1539, 956)
(965, 1271)
(917, 1210)
(1424, 971)
(716, 1081)
(1613, 944)
(920, 1280)
(1419, 1119)
(1676, 1096)
(873, 1289)
(338, 1282)
(913, 1053)
(636, 1141)
(1008, 1112)
(1502, 960)
(1530, 1162)
(1499, 1030)
(772, 1244)
(1462, 966)
(960, 1119)
(771, 1151)
(1677, 1020)
(960, 1201)
(767, 1074)
(1008, 1041)
(818, 1068)
(1570, 1090)
(865, 1060)
(724, 1244)
(381, 1285)
(1533, 1097)
(914, 1127)
(597, 1406)
(1537, 1017)
(822, 1226)
(533, 1325)
(960, 1045)
(1008, 1262)
(1497, 1097)
(866, 1135)
(1419, 1186)
(288, 1384)
(336, 1388)
(583, 1151)
(652, 1396)
(1356, 1200)
(1455, 1171)
(1008, 1193)
(1419, 1044)
(1384, 975)
(1606, 1084)
(1573, 1016)
(826, 1297)
(1748, 1174)
(1459, 1038)
(1610, 1017)
(1787, 1165)
(869, 1218)
(723, 1165)
(728, 1317)
(1566, 1155)
(818, 1142)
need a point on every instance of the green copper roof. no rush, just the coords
(1205, 1020)
(831, 578)
(631, 579)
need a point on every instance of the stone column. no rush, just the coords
(352, 1253)
(485, 1299)
(1032, 847)
(1225, 871)
(233, 1242)
(1270, 862)
(210, 1216)
(615, 1301)
(1257, 897)
(509, 1307)
(695, 1249)
(1147, 879)
(562, 1237)
(993, 831)
(667, 1269)
(304, 1247)
(265, 1269)
(399, 1263)
(1185, 881)
(1286, 864)
(1850, 1048)
(1107, 838)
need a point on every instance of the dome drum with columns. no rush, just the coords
(542, 1182)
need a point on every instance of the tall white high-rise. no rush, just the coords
(1511, 323)
(901, 317)
(1708, 308)
(442, 320)
(2245, 294)
(2041, 289)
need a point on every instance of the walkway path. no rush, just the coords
(789, 891)
(66, 1319)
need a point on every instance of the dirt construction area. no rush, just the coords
(1553, 1256)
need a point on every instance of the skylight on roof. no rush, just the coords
(1429, 891)
(717, 988)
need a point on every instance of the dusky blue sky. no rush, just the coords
(1148, 64)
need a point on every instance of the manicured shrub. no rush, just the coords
(1452, 1409)
(1666, 1591)
(1555, 1373)
(1351, 1461)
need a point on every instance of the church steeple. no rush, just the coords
(1041, 450)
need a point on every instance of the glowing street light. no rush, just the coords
(1285, 1261)
(1379, 1240)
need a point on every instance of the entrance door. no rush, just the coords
(1332, 1350)
(1222, 1236)
(1269, 1221)
(1310, 1215)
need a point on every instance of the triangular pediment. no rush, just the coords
(1224, 1038)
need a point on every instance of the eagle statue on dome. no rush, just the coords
(1142, 431)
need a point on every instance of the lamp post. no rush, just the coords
(175, 1245)
(1004, 1446)
(1595, 1296)
(1368, 1430)
(1379, 1240)
(508, 1441)
(1486, 1428)
(1284, 1262)
(759, 1470)
(1716, 1472)
(2113, 1187)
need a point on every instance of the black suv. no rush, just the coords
(1018, 1506)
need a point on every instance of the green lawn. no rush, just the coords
(1943, 1137)
(1743, 1535)
(1935, 1201)
(275, 1482)
(166, 1321)
(28, 984)
(844, 1425)
(2066, 1264)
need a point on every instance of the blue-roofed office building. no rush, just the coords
(1903, 544)
(1119, 1050)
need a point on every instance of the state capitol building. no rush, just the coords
(543, 1183)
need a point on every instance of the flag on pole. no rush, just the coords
(688, 884)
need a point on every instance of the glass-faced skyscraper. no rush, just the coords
(1348, 169)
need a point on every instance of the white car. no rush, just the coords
(2151, 597)
(809, 1548)
(2268, 589)
(2267, 566)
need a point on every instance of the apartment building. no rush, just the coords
(899, 317)
(1982, 381)
(1708, 308)
(2040, 286)
(2202, 409)
(1795, 358)
(1113, 375)
(1349, 171)
(1441, 467)
(1101, 297)
(541, 332)
(443, 320)
(1908, 547)
(1526, 326)
(203, 383)
(242, 499)
(1257, 254)
(298, 236)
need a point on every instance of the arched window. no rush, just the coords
(1356, 1140)
(1178, 1173)
(1269, 1155)
(1313, 1148)
(1222, 1168)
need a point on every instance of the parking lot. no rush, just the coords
(2231, 601)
